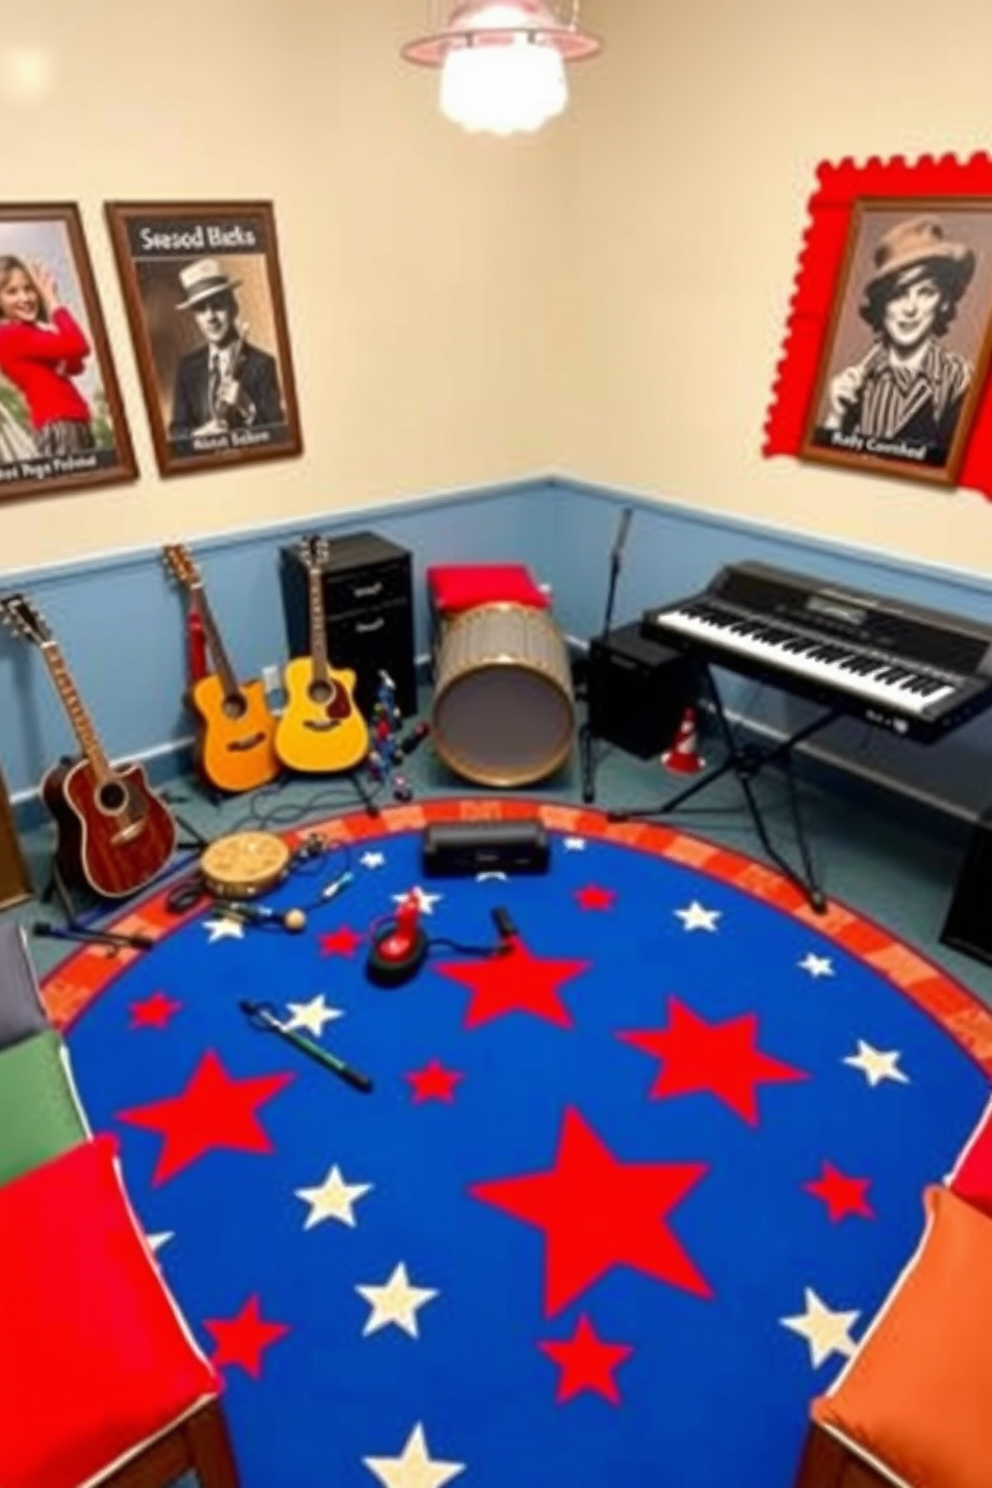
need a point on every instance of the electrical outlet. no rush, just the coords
(272, 679)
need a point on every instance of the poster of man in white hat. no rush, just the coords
(205, 303)
(909, 341)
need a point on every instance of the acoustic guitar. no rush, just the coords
(114, 834)
(320, 730)
(235, 736)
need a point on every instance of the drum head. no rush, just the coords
(503, 724)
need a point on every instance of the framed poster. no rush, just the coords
(62, 423)
(203, 291)
(908, 340)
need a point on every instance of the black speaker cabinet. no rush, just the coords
(638, 690)
(368, 604)
(968, 926)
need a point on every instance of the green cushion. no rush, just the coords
(40, 1116)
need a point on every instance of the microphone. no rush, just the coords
(623, 529)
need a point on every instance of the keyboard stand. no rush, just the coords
(746, 762)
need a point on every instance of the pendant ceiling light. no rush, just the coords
(503, 62)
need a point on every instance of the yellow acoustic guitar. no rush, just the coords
(320, 729)
(235, 742)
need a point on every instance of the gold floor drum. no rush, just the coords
(503, 711)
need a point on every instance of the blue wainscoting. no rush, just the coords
(120, 620)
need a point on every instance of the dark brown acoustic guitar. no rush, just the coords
(114, 834)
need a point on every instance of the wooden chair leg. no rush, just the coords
(209, 1446)
(200, 1444)
(827, 1463)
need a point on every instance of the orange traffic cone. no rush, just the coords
(682, 758)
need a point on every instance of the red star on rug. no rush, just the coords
(215, 1110)
(587, 1363)
(593, 897)
(516, 982)
(718, 1057)
(341, 942)
(244, 1338)
(154, 1011)
(434, 1082)
(597, 1212)
(841, 1194)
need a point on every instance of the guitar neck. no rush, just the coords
(82, 724)
(318, 626)
(222, 662)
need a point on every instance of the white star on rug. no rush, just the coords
(425, 902)
(817, 966)
(162, 1238)
(311, 1015)
(698, 918)
(877, 1064)
(827, 1332)
(372, 859)
(396, 1301)
(226, 928)
(332, 1199)
(414, 1467)
(574, 844)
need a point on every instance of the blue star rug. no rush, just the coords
(624, 1196)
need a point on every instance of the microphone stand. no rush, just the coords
(587, 734)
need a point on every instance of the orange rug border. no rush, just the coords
(70, 988)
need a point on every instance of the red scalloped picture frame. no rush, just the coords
(824, 301)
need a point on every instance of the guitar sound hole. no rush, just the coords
(235, 706)
(321, 692)
(113, 796)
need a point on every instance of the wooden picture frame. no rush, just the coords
(909, 338)
(62, 421)
(203, 291)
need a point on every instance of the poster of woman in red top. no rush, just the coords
(61, 419)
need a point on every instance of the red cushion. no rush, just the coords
(456, 587)
(94, 1356)
(972, 1177)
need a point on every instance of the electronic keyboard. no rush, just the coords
(916, 671)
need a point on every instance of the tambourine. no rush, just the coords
(244, 865)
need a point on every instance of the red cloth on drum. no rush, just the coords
(454, 587)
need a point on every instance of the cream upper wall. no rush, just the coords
(420, 319)
(696, 145)
(606, 299)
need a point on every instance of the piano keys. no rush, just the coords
(918, 672)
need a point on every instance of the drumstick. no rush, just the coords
(263, 1018)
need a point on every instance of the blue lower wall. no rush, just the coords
(120, 618)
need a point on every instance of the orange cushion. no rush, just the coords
(972, 1178)
(94, 1357)
(917, 1395)
(455, 587)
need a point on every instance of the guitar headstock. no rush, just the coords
(315, 552)
(181, 565)
(24, 618)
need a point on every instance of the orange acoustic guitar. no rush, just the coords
(235, 748)
(113, 832)
(321, 729)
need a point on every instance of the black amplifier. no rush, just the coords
(461, 849)
(968, 926)
(637, 689)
